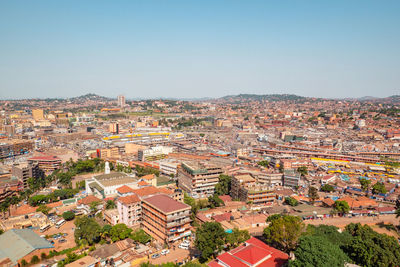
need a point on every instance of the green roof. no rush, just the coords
(17, 243)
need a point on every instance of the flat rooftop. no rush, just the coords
(165, 203)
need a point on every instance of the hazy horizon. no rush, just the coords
(186, 49)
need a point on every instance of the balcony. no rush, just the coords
(178, 223)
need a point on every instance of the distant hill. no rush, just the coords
(270, 97)
(92, 97)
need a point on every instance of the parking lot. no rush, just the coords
(67, 228)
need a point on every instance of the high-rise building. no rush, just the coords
(37, 114)
(121, 101)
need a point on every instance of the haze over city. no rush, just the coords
(192, 49)
(199, 133)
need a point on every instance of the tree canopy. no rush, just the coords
(87, 229)
(318, 251)
(341, 206)
(291, 201)
(327, 188)
(210, 239)
(313, 194)
(379, 188)
(284, 232)
(369, 248)
(68, 215)
(223, 187)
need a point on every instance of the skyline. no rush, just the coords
(178, 49)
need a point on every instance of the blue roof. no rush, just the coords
(17, 243)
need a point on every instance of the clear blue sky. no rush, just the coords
(199, 48)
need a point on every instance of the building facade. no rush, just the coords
(165, 219)
(199, 178)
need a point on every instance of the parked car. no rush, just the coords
(184, 246)
(62, 240)
(164, 251)
(155, 256)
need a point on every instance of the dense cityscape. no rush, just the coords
(212, 133)
(241, 180)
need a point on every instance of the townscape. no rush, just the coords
(241, 180)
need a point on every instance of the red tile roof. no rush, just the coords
(124, 189)
(148, 177)
(252, 253)
(225, 198)
(89, 199)
(45, 158)
(165, 203)
(222, 217)
(151, 190)
(143, 183)
(129, 199)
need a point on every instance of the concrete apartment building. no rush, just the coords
(165, 219)
(246, 188)
(270, 179)
(154, 153)
(47, 164)
(24, 171)
(291, 178)
(129, 210)
(168, 167)
(199, 178)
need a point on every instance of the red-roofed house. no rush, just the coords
(253, 252)
(84, 203)
(124, 191)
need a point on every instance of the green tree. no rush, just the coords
(43, 209)
(318, 251)
(237, 237)
(291, 201)
(224, 185)
(140, 236)
(313, 194)
(120, 232)
(263, 163)
(210, 240)
(43, 256)
(397, 207)
(302, 170)
(110, 205)
(379, 188)
(329, 232)
(365, 184)
(35, 259)
(273, 217)
(327, 188)
(284, 232)
(68, 215)
(93, 206)
(87, 229)
(215, 201)
(341, 206)
(369, 248)
(24, 262)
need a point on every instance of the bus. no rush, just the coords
(44, 228)
(60, 223)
